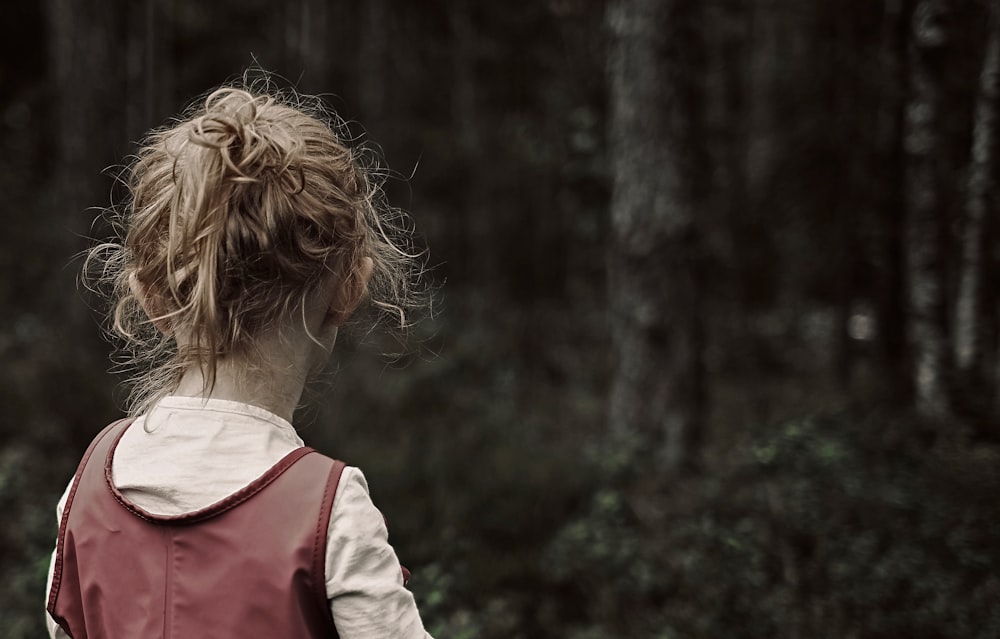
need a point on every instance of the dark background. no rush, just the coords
(715, 348)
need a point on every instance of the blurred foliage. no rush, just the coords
(834, 525)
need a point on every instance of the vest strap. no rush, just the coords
(117, 428)
(322, 527)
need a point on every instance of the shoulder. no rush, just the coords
(357, 535)
(353, 506)
(353, 482)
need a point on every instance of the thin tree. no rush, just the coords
(87, 72)
(87, 76)
(925, 208)
(655, 146)
(970, 315)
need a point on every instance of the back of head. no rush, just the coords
(239, 211)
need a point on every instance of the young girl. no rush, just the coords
(253, 232)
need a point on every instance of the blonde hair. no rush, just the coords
(237, 212)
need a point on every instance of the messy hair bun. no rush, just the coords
(238, 211)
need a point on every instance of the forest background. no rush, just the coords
(715, 350)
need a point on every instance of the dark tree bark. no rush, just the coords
(87, 74)
(656, 159)
(734, 156)
(925, 207)
(763, 124)
(89, 133)
(970, 314)
(843, 42)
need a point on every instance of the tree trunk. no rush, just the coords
(738, 214)
(656, 161)
(969, 304)
(762, 115)
(843, 195)
(925, 209)
(87, 73)
(87, 70)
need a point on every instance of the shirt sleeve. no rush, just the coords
(364, 581)
(55, 632)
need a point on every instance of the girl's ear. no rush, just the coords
(346, 301)
(151, 306)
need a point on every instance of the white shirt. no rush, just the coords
(188, 453)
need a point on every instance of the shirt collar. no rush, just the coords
(226, 406)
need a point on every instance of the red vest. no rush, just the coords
(251, 565)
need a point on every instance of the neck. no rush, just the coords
(274, 380)
(275, 386)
